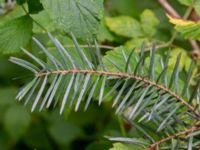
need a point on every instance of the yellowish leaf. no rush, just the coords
(179, 22)
(189, 29)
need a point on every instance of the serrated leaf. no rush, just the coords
(70, 15)
(15, 34)
(124, 26)
(149, 22)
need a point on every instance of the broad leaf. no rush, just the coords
(15, 34)
(114, 60)
(136, 43)
(77, 16)
(184, 62)
(124, 26)
(104, 34)
(43, 19)
(149, 22)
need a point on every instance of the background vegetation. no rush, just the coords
(115, 24)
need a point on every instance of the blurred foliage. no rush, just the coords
(127, 23)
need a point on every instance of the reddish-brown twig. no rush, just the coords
(186, 132)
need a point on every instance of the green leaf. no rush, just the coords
(186, 2)
(149, 22)
(136, 43)
(116, 57)
(77, 16)
(120, 146)
(184, 62)
(15, 34)
(104, 34)
(44, 20)
(17, 12)
(189, 29)
(124, 26)
(34, 6)
(16, 121)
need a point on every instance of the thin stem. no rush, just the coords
(123, 75)
(186, 132)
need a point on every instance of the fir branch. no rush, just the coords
(122, 75)
(182, 133)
